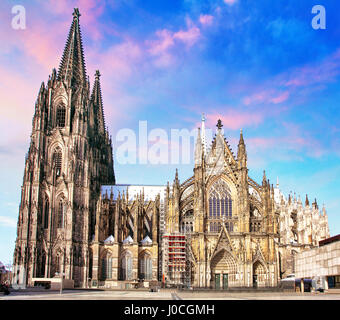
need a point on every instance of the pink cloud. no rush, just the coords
(234, 120)
(307, 75)
(206, 19)
(167, 39)
(280, 98)
(163, 48)
(271, 95)
(120, 59)
(164, 42)
(303, 80)
(90, 11)
(189, 37)
(230, 2)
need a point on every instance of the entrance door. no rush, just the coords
(217, 281)
(255, 281)
(225, 281)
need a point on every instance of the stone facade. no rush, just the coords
(69, 157)
(75, 220)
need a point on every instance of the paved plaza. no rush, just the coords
(164, 295)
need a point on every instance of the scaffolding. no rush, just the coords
(175, 260)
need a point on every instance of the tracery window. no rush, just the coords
(255, 219)
(106, 268)
(61, 213)
(46, 212)
(145, 267)
(126, 266)
(220, 206)
(60, 117)
(57, 162)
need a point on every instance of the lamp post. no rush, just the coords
(61, 282)
(61, 275)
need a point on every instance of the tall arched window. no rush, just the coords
(61, 116)
(106, 268)
(220, 206)
(46, 212)
(145, 267)
(57, 162)
(43, 265)
(61, 214)
(126, 266)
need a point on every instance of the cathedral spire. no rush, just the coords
(203, 138)
(97, 100)
(241, 152)
(307, 201)
(264, 179)
(198, 149)
(72, 66)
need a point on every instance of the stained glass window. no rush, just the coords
(106, 268)
(61, 113)
(57, 161)
(145, 267)
(61, 214)
(126, 267)
(214, 207)
(219, 207)
(46, 213)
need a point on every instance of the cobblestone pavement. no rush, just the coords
(162, 295)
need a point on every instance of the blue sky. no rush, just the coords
(259, 67)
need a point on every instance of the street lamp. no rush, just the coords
(61, 274)
(61, 282)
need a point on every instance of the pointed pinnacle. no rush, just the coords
(76, 14)
(219, 124)
(97, 75)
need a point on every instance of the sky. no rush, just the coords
(258, 67)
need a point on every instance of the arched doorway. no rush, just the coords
(223, 270)
(259, 275)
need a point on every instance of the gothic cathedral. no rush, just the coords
(217, 229)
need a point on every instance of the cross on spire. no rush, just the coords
(97, 75)
(76, 14)
(219, 124)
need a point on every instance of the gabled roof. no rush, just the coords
(109, 240)
(128, 240)
(146, 240)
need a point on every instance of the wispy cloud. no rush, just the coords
(230, 2)
(8, 222)
(206, 19)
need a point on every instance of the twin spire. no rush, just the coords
(72, 67)
(72, 70)
(97, 100)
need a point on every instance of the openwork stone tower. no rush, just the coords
(69, 157)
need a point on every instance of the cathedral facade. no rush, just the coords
(217, 229)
